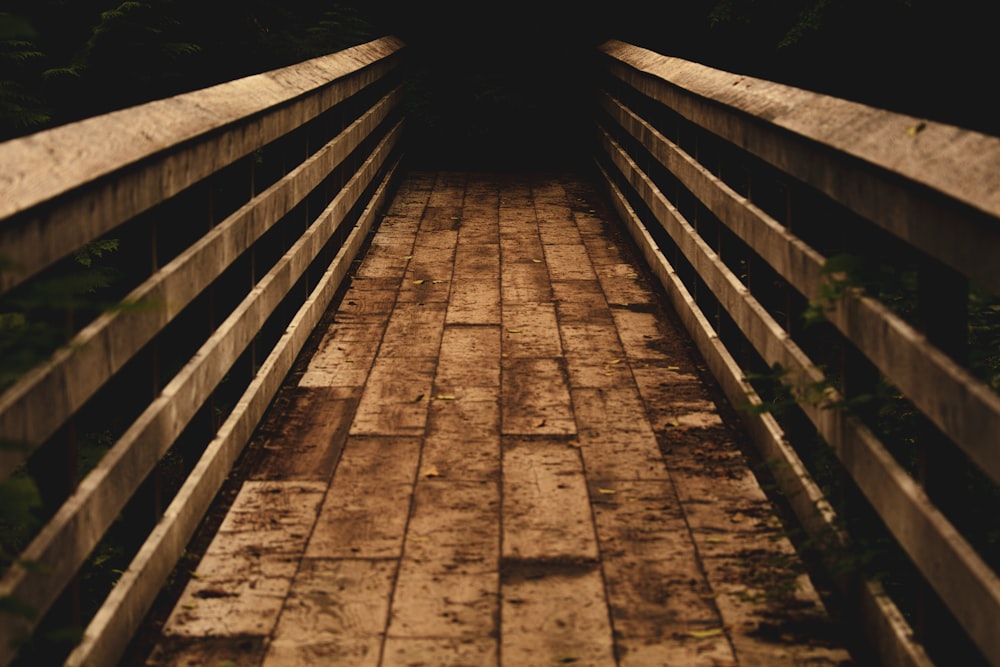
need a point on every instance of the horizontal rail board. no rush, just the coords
(77, 528)
(964, 408)
(157, 150)
(864, 158)
(61, 386)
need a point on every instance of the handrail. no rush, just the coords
(718, 177)
(250, 200)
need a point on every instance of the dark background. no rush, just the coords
(497, 84)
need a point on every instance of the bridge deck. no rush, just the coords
(502, 452)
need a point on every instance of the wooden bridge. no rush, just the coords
(335, 410)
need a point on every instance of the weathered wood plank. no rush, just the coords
(240, 585)
(306, 444)
(546, 516)
(654, 575)
(536, 398)
(555, 615)
(463, 434)
(335, 613)
(530, 330)
(469, 357)
(615, 438)
(448, 582)
(364, 514)
(396, 396)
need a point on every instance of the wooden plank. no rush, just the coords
(568, 262)
(536, 398)
(158, 154)
(615, 438)
(546, 512)
(525, 283)
(447, 652)
(414, 330)
(345, 356)
(654, 575)
(798, 132)
(75, 373)
(365, 511)
(474, 301)
(530, 330)
(886, 628)
(335, 613)
(554, 615)
(965, 409)
(581, 302)
(396, 396)
(463, 434)
(306, 443)
(106, 637)
(448, 582)
(183, 652)
(469, 357)
(240, 584)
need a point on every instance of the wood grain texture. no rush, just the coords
(119, 164)
(930, 184)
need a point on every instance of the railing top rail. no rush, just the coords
(45, 165)
(873, 157)
(959, 163)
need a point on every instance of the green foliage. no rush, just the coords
(842, 272)
(37, 319)
(20, 110)
(19, 498)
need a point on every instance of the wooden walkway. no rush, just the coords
(502, 452)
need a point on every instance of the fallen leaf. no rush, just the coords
(705, 634)
(715, 540)
(418, 282)
(537, 261)
(614, 361)
(418, 538)
(736, 518)
(437, 282)
(513, 331)
(916, 129)
(432, 472)
(607, 492)
(445, 397)
(673, 368)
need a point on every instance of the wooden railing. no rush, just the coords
(230, 216)
(839, 267)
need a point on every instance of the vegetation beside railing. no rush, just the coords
(162, 268)
(836, 264)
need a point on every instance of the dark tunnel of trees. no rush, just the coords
(495, 82)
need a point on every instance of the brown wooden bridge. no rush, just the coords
(351, 413)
